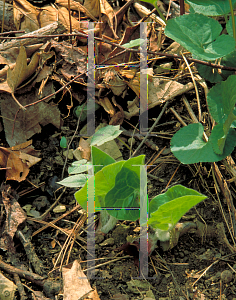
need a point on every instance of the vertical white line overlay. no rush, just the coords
(143, 112)
(90, 132)
(91, 82)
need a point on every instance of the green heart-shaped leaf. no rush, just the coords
(200, 35)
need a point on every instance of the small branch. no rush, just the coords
(21, 106)
(34, 37)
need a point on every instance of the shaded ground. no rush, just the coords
(173, 271)
(201, 265)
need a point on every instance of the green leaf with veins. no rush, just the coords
(124, 195)
(168, 208)
(210, 7)
(200, 35)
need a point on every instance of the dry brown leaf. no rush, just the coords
(107, 10)
(50, 14)
(17, 169)
(74, 5)
(106, 104)
(117, 119)
(20, 72)
(29, 159)
(26, 148)
(14, 217)
(159, 91)
(17, 161)
(22, 146)
(93, 295)
(76, 285)
(28, 122)
(102, 6)
(74, 59)
(85, 149)
(129, 74)
(8, 57)
(134, 84)
(93, 7)
(113, 81)
(131, 33)
(25, 16)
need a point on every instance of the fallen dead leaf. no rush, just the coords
(131, 33)
(106, 104)
(25, 16)
(113, 81)
(30, 121)
(8, 57)
(117, 119)
(14, 217)
(74, 5)
(74, 59)
(17, 163)
(20, 72)
(96, 7)
(16, 168)
(76, 284)
(50, 14)
(26, 148)
(85, 149)
(159, 91)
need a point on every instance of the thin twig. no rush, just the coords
(189, 108)
(178, 116)
(195, 86)
(153, 126)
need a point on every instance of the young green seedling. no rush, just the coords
(117, 187)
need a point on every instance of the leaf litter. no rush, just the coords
(117, 90)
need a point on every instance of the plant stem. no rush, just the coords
(159, 12)
(232, 16)
(182, 8)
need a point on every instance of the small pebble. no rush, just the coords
(70, 153)
(59, 209)
(226, 276)
(77, 154)
(131, 141)
(108, 242)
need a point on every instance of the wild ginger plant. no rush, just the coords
(201, 35)
(117, 192)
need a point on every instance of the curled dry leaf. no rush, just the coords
(108, 107)
(85, 149)
(50, 14)
(76, 285)
(96, 7)
(74, 5)
(25, 16)
(30, 121)
(117, 119)
(17, 163)
(14, 217)
(114, 82)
